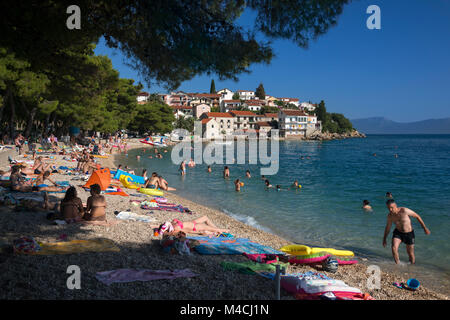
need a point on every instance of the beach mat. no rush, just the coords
(131, 275)
(77, 246)
(231, 246)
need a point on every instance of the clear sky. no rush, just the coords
(401, 72)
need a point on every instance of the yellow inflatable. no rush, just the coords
(151, 192)
(298, 250)
(128, 182)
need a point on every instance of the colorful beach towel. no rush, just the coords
(76, 246)
(250, 267)
(130, 275)
(126, 215)
(231, 246)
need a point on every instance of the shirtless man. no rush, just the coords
(153, 181)
(164, 185)
(403, 229)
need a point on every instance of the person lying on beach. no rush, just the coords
(247, 174)
(202, 225)
(403, 231)
(18, 182)
(71, 207)
(226, 172)
(96, 205)
(366, 205)
(41, 206)
(40, 183)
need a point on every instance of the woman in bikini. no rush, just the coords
(39, 183)
(96, 205)
(202, 225)
(72, 209)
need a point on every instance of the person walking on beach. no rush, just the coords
(403, 232)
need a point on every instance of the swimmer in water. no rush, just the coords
(267, 183)
(389, 195)
(226, 172)
(209, 169)
(247, 174)
(263, 177)
(295, 185)
(183, 168)
(366, 205)
(278, 187)
(237, 185)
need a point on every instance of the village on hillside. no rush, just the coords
(227, 113)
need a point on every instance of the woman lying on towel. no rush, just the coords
(40, 186)
(201, 225)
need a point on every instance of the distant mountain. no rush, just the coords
(379, 125)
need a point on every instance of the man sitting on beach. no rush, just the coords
(403, 229)
(153, 181)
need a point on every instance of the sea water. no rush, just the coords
(336, 176)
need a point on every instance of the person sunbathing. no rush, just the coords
(152, 182)
(40, 183)
(164, 185)
(40, 166)
(72, 209)
(202, 225)
(96, 205)
(18, 182)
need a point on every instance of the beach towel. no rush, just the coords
(166, 207)
(262, 258)
(126, 215)
(250, 267)
(76, 246)
(231, 246)
(130, 275)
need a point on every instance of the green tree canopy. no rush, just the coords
(153, 117)
(168, 41)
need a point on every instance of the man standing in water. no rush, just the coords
(403, 229)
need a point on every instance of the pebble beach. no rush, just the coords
(44, 277)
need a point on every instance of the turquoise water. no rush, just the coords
(336, 177)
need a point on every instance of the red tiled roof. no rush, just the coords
(208, 95)
(205, 121)
(254, 103)
(242, 113)
(143, 93)
(263, 124)
(231, 101)
(271, 115)
(294, 113)
(180, 107)
(218, 115)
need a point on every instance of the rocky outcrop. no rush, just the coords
(317, 135)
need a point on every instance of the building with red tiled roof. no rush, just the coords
(244, 119)
(292, 122)
(224, 120)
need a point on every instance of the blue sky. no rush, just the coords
(401, 72)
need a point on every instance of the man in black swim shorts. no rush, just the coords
(403, 229)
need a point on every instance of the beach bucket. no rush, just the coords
(413, 284)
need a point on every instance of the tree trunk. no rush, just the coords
(30, 121)
(12, 126)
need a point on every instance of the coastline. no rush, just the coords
(353, 275)
(22, 276)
